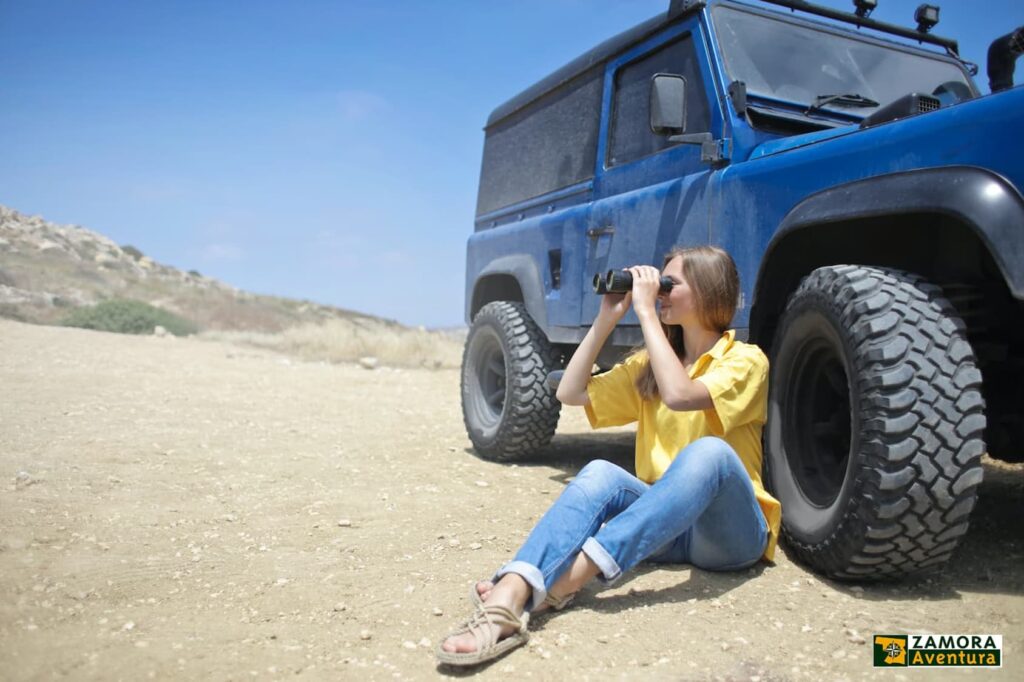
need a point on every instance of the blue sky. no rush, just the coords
(320, 150)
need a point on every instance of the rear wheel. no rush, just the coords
(874, 437)
(508, 407)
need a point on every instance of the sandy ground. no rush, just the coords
(183, 509)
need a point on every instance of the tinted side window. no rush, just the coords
(546, 146)
(631, 136)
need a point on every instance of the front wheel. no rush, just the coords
(508, 407)
(874, 436)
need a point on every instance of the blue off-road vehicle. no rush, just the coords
(871, 198)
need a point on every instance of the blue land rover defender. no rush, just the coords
(871, 198)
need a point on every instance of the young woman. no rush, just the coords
(699, 397)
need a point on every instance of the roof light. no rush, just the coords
(926, 17)
(865, 7)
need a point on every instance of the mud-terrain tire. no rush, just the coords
(874, 434)
(509, 410)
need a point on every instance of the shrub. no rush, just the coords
(133, 252)
(127, 317)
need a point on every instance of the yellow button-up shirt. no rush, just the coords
(736, 376)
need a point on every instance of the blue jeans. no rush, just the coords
(702, 511)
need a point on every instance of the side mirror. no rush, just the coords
(668, 104)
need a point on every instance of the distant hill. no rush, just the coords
(47, 269)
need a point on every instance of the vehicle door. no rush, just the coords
(650, 194)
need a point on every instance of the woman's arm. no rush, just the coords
(677, 390)
(572, 389)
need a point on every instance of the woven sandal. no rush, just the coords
(559, 603)
(487, 647)
(551, 601)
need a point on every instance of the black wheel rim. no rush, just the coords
(818, 424)
(489, 374)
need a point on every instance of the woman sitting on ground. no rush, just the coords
(700, 400)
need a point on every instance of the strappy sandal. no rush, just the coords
(480, 626)
(558, 603)
(551, 601)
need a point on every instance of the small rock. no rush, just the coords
(425, 642)
(159, 331)
(805, 628)
(365, 635)
(482, 484)
(475, 545)
(340, 607)
(454, 542)
(368, 362)
(128, 626)
(437, 612)
(345, 523)
(725, 646)
(602, 639)
(24, 479)
(409, 644)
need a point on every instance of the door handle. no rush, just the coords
(596, 232)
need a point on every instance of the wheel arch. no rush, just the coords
(510, 278)
(967, 217)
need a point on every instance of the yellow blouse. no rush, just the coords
(736, 376)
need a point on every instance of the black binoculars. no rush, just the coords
(621, 281)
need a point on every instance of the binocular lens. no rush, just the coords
(621, 281)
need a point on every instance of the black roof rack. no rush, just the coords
(866, 22)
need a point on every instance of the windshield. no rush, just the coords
(799, 64)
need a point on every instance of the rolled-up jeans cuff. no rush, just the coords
(532, 575)
(610, 571)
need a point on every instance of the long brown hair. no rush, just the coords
(712, 276)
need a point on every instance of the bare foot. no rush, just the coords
(483, 588)
(511, 592)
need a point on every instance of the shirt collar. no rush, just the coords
(715, 353)
(722, 345)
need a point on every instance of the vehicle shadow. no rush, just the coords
(571, 452)
(990, 557)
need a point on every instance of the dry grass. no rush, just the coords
(348, 340)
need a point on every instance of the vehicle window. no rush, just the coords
(796, 63)
(631, 136)
(550, 144)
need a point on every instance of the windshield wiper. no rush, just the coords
(848, 100)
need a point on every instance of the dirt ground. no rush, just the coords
(184, 509)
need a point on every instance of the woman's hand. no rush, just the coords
(614, 306)
(646, 285)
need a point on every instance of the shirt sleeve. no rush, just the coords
(738, 384)
(614, 400)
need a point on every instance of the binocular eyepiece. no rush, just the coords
(621, 281)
